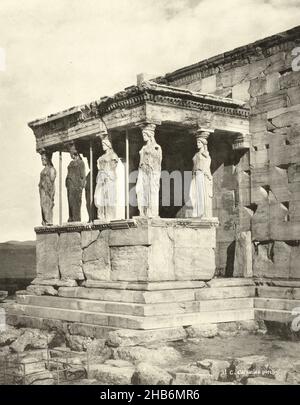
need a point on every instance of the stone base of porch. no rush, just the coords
(160, 310)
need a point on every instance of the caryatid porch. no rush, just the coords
(138, 271)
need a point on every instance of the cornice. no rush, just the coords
(79, 227)
(147, 92)
(241, 55)
(150, 92)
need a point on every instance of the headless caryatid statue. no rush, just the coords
(201, 184)
(47, 189)
(75, 183)
(106, 195)
(147, 186)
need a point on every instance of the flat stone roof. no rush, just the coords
(106, 104)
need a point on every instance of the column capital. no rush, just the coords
(201, 132)
(103, 133)
(45, 151)
(148, 124)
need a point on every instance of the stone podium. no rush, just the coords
(143, 250)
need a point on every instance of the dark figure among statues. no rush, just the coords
(75, 183)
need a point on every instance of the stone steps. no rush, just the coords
(135, 309)
(225, 293)
(144, 286)
(162, 296)
(148, 308)
(132, 322)
(273, 315)
(276, 304)
(128, 296)
(290, 293)
(230, 282)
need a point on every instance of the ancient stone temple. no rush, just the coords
(192, 194)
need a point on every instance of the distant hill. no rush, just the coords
(19, 243)
(17, 264)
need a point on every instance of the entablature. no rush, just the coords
(148, 102)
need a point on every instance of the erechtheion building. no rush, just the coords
(228, 252)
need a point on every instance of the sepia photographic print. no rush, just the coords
(150, 195)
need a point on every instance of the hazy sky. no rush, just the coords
(61, 53)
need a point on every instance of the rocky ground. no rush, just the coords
(227, 354)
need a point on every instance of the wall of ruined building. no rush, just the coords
(268, 187)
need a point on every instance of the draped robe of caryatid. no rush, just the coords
(148, 181)
(109, 192)
(47, 192)
(201, 185)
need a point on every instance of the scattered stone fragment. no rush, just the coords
(204, 330)
(78, 343)
(251, 367)
(96, 347)
(293, 378)
(163, 355)
(75, 373)
(248, 326)
(4, 351)
(9, 336)
(186, 369)
(218, 368)
(54, 282)
(29, 365)
(42, 378)
(118, 363)
(228, 329)
(136, 337)
(111, 375)
(41, 290)
(104, 355)
(147, 374)
(203, 378)
(32, 339)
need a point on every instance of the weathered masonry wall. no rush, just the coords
(77, 253)
(267, 200)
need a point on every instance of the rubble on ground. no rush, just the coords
(37, 357)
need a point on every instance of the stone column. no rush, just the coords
(148, 181)
(201, 191)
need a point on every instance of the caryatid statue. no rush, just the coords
(148, 180)
(47, 189)
(106, 192)
(75, 183)
(201, 184)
